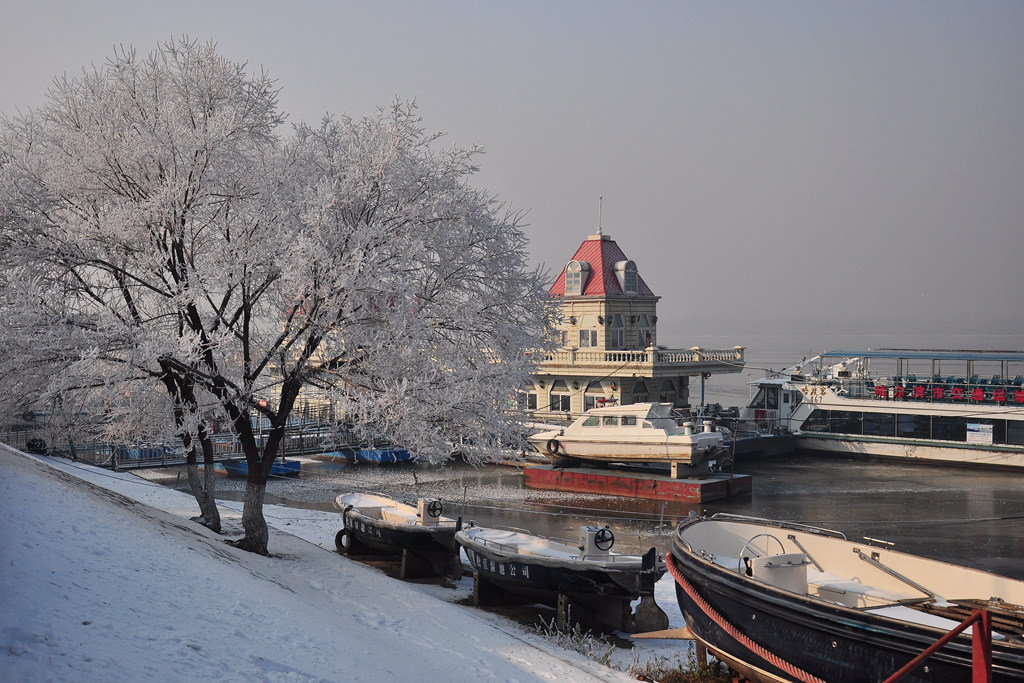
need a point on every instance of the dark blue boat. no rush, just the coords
(240, 468)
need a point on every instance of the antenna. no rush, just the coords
(600, 208)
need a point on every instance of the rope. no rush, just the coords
(741, 638)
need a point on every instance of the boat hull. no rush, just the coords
(544, 580)
(240, 468)
(915, 450)
(391, 539)
(771, 634)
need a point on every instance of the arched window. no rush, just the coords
(643, 332)
(640, 394)
(668, 392)
(625, 271)
(617, 334)
(559, 397)
(576, 273)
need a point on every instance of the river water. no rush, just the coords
(973, 517)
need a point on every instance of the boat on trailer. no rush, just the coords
(634, 433)
(954, 407)
(420, 534)
(586, 582)
(787, 602)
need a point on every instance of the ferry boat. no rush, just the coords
(956, 407)
(634, 433)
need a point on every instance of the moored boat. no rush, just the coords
(589, 576)
(787, 602)
(375, 524)
(634, 433)
(280, 468)
(954, 407)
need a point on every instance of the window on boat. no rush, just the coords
(592, 421)
(914, 426)
(846, 422)
(817, 421)
(758, 400)
(610, 421)
(880, 424)
(646, 425)
(629, 420)
(949, 428)
(1015, 432)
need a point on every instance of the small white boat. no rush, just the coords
(375, 524)
(786, 602)
(634, 433)
(560, 573)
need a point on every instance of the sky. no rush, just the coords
(773, 168)
(114, 583)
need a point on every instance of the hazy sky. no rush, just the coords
(853, 167)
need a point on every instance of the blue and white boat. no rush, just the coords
(953, 407)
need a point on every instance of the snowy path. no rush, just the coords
(106, 579)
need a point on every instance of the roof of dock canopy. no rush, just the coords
(925, 354)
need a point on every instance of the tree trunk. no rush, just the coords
(256, 533)
(203, 490)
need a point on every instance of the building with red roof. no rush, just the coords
(608, 341)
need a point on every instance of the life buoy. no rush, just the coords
(553, 446)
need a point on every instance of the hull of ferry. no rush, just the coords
(913, 450)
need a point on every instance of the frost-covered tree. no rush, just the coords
(158, 236)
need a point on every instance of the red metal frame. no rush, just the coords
(981, 649)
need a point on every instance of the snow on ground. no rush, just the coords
(104, 577)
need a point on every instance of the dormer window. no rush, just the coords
(625, 271)
(576, 273)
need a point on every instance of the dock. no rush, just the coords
(630, 484)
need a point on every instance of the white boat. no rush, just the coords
(956, 407)
(788, 602)
(557, 572)
(634, 433)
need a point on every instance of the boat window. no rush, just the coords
(771, 398)
(846, 422)
(914, 426)
(817, 421)
(646, 425)
(1015, 432)
(949, 428)
(881, 424)
(592, 421)
(610, 421)
(629, 420)
(758, 400)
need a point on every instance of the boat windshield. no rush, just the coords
(629, 420)
(611, 421)
(592, 421)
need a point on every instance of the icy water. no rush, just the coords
(965, 516)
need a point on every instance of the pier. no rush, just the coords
(630, 484)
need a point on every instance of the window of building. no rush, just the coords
(643, 332)
(640, 394)
(625, 271)
(668, 392)
(576, 273)
(559, 400)
(588, 339)
(617, 333)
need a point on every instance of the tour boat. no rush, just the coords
(560, 573)
(787, 602)
(421, 535)
(634, 433)
(900, 404)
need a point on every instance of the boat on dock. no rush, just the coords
(635, 433)
(420, 534)
(587, 582)
(953, 407)
(281, 468)
(779, 601)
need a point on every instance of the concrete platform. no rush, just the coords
(651, 486)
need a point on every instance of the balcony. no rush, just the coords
(645, 362)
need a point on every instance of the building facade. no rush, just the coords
(609, 350)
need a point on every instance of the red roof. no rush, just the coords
(602, 255)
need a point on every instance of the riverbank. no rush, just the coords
(105, 578)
